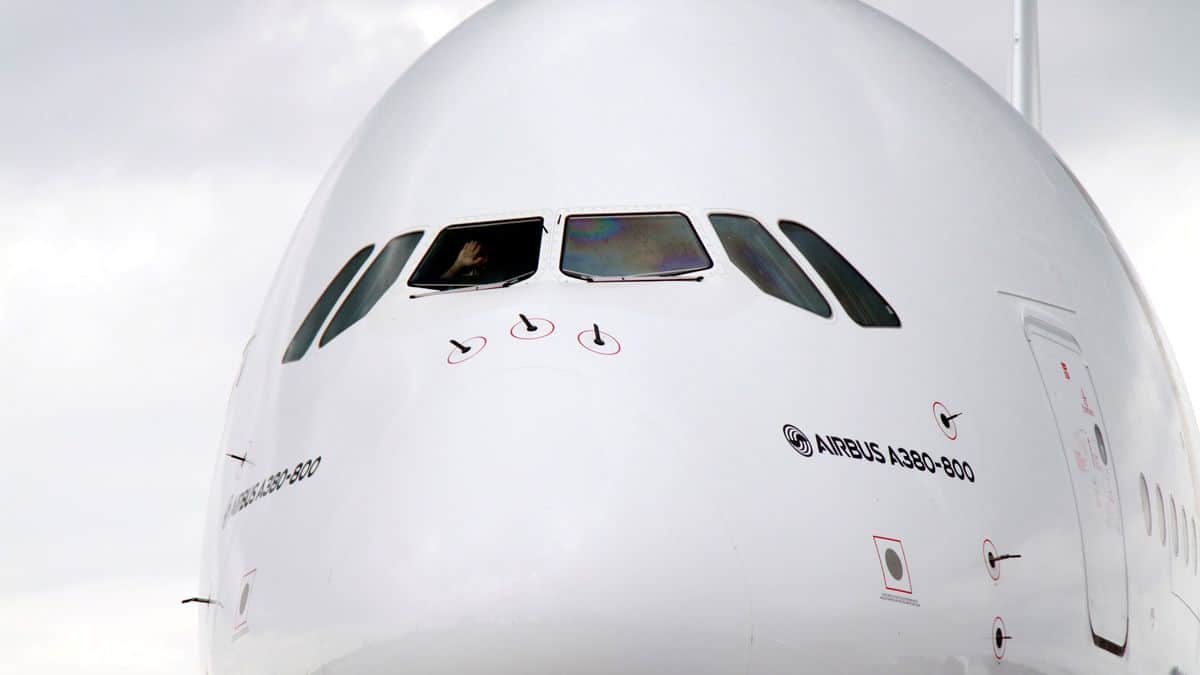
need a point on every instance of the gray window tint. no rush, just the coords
(378, 278)
(329, 297)
(1162, 515)
(756, 253)
(862, 302)
(1174, 528)
(631, 245)
(1183, 535)
(477, 254)
(1145, 492)
(1195, 563)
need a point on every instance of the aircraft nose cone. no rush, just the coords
(554, 534)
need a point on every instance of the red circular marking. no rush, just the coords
(539, 334)
(998, 624)
(586, 344)
(938, 421)
(992, 570)
(469, 355)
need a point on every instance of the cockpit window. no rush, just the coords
(478, 254)
(861, 301)
(324, 305)
(756, 253)
(631, 245)
(376, 281)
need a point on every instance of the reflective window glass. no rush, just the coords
(376, 281)
(1145, 492)
(329, 297)
(479, 254)
(1183, 535)
(1162, 515)
(631, 245)
(1100, 444)
(1195, 562)
(756, 253)
(1174, 529)
(861, 301)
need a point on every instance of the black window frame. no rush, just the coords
(613, 214)
(826, 313)
(325, 304)
(838, 288)
(433, 245)
(334, 328)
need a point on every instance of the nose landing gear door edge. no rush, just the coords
(1091, 467)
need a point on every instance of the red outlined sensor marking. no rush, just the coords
(457, 356)
(999, 638)
(989, 555)
(587, 340)
(893, 564)
(944, 420)
(243, 601)
(542, 328)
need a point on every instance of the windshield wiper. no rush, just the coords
(478, 287)
(651, 276)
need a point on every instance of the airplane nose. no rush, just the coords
(549, 534)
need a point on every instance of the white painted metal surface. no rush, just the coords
(543, 507)
(1082, 432)
(1026, 92)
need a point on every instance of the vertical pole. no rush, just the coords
(1025, 93)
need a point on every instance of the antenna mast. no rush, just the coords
(1026, 93)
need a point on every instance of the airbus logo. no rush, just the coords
(797, 440)
(869, 451)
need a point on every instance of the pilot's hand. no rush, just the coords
(470, 256)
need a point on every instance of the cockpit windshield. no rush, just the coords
(631, 245)
(481, 254)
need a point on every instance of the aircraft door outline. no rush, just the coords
(1091, 460)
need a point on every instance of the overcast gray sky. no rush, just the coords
(154, 159)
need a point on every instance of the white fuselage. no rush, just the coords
(546, 507)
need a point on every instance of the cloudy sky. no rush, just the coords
(154, 158)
